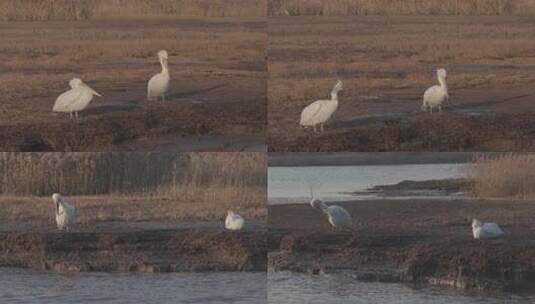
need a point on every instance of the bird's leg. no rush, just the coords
(322, 128)
(440, 108)
(70, 115)
(76, 114)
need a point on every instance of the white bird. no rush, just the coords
(65, 213)
(437, 94)
(338, 216)
(159, 83)
(234, 221)
(486, 230)
(76, 99)
(319, 112)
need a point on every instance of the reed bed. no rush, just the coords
(133, 186)
(503, 176)
(125, 172)
(74, 10)
(394, 7)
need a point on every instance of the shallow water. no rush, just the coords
(24, 286)
(290, 288)
(334, 182)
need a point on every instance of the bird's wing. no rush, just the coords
(66, 99)
(311, 110)
(340, 213)
(492, 229)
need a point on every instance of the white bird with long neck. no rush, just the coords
(320, 111)
(234, 221)
(65, 213)
(159, 83)
(76, 99)
(338, 217)
(486, 230)
(437, 94)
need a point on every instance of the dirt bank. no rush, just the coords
(441, 132)
(386, 64)
(106, 128)
(142, 247)
(417, 241)
(366, 158)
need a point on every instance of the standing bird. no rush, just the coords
(437, 94)
(486, 230)
(318, 112)
(338, 216)
(159, 83)
(233, 221)
(76, 99)
(65, 213)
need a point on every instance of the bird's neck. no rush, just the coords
(165, 69)
(442, 82)
(334, 96)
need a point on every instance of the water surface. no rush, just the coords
(336, 182)
(25, 286)
(292, 288)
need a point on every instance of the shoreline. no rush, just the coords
(430, 243)
(367, 158)
(186, 249)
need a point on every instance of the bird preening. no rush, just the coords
(159, 83)
(76, 99)
(65, 212)
(234, 221)
(486, 230)
(338, 217)
(320, 111)
(436, 95)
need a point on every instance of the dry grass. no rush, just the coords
(45, 10)
(505, 176)
(38, 58)
(393, 7)
(134, 186)
(378, 55)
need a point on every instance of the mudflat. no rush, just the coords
(417, 241)
(386, 64)
(217, 89)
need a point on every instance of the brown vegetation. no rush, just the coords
(44, 10)
(217, 71)
(132, 186)
(412, 241)
(393, 7)
(386, 63)
(506, 176)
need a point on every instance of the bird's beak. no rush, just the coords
(93, 91)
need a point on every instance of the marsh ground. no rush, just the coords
(386, 63)
(217, 92)
(409, 241)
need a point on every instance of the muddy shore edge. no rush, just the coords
(169, 250)
(409, 241)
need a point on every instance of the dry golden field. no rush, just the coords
(217, 68)
(386, 63)
(132, 187)
(398, 7)
(43, 10)
(506, 176)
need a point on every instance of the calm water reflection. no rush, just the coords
(293, 288)
(331, 182)
(23, 286)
